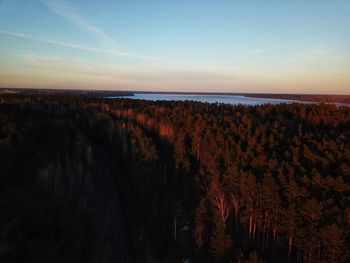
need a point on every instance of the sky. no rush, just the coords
(269, 46)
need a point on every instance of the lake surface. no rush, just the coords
(210, 98)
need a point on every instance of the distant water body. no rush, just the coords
(210, 98)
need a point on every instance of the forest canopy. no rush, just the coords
(268, 183)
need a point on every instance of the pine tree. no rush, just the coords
(332, 240)
(200, 222)
(219, 240)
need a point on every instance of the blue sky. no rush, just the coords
(231, 46)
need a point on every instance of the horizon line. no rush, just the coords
(173, 91)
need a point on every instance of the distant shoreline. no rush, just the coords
(319, 98)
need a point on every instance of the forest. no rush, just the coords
(86, 179)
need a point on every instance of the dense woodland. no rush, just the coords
(86, 179)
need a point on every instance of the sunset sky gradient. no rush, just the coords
(294, 46)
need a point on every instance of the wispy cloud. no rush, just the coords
(36, 58)
(82, 47)
(261, 50)
(65, 10)
(322, 55)
(150, 74)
